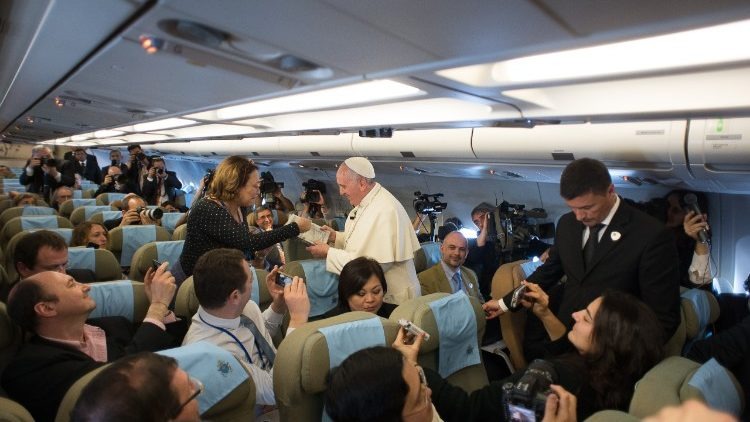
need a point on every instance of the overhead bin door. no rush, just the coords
(443, 144)
(719, 152)
(643, 145)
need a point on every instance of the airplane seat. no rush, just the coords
(295, 250)
(180, 233)
(108, 198)
(87, 194)
(5, 283)
(13, 212)
(307, 354)
(11, 338)
(101, 262)
(677, 379)
(12, 411)
(426, 256)
(101, 216)
(170, 219)
(143, 258)
(186, 302)
(85, 212)
(124, 241)
(5, 204)
(125, 298)
(322, 286)
(461, 321)
(508, 277)
(23, 223)
(73, 393)
(67, 207)
(700, 308)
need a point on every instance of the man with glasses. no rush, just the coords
(66, 344)
(142, 387)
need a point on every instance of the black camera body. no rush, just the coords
(525, 399)
(311, 186)
(140, 156)
(152, 213)
(49, 162)
(267, 184)
(429, 203)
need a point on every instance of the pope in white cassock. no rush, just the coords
(377, 227)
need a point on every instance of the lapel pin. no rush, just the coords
(615, 236)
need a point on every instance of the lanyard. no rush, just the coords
(236, 340)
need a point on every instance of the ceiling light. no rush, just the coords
(720, 44)
(150, 43)
(364, 92)
(107, 133)
(82, 137)
(162, 124)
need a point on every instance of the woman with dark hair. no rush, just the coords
(362, 287)
(613, 343)
(91, 234)
(695, 265)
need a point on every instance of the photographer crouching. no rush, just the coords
(135, 212)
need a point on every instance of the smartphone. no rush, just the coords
(413, 329)
(114, 163)
(283, 279)
(155, 264)
(515, 301)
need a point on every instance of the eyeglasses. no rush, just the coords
(197, 389)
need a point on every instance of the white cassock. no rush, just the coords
(379, 228)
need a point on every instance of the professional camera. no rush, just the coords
(49, 162)
(311, 186)
(525, 400)
(516, 231)
(424, 205)
(268, 186)
(140, 156)
(152, 213)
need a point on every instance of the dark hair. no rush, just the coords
(369, 385)
(133, 146)
(583, 176)
(21, 196)
(28, 247)
(80, 236)
(230, 176)
(134, 388)
(354, 276)
(217, 274)
(627, 341)
(21, 301)
(482, 207)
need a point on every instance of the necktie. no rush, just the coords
(589, 249)
(266, 351)
(457, 282)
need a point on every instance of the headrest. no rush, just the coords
(718, 387)
(349, 337)
(322, 286)
(457, 329)
(113, 298)
(39, 222)
(31, 210)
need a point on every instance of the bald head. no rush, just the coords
(454, 249)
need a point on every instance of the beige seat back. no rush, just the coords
(11, 411)
(67, 207)
(698, 309)
(322, 286)
(13, 212)
(18, 224)
(108, 198)
(180, 232)
(105, 265)
(677, 379)
(101, 217)
(144, 257)
(426, 256)
(117, 241)
(512, 324)
(86, 212)
(303, 362)
(186, 302)
(419, 312)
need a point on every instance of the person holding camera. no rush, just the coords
(598, 369)
(314, 203)
(115, 157)
(160, 184)
(271, 195)
(115, 181)
(218, 220)
(135, 212)
(86, 165)
(137, 167)
(42, 174)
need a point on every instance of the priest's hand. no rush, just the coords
(318, 250)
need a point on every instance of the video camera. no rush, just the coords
(515, 231)
(424, 205)
(49, 162)
(268, 186)
(526, 399)
(311, 186)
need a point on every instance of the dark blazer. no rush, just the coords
(90, 171)
(636, 254)
(36, 183)
(105, 170)
(150, 190)
(42, 372)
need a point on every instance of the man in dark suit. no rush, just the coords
(160, 184)
(66, 345)
(115, 157)
(604, 243)
(86, 165)
(41, 176)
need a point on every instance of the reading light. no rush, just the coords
(59, 102)
(162, 124)
(359, 93)
(151, 44)
(30, 119)
(720, 44)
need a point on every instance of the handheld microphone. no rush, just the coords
(691, 203)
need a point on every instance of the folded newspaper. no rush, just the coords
(312, 236)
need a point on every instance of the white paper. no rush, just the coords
(314, 235)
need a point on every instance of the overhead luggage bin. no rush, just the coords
(442, 144)
(718, 151)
